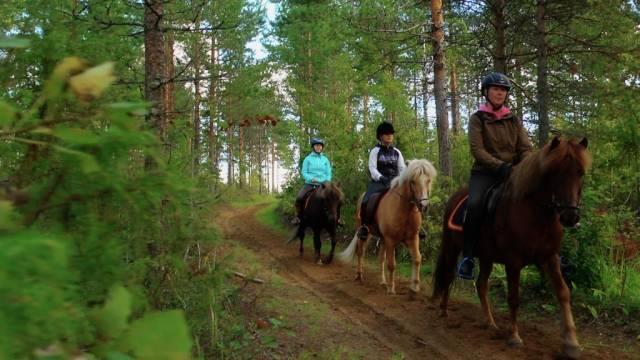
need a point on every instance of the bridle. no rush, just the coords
(558, 206)
(413, 200)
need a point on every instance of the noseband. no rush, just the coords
(413, 200)
(558, 206)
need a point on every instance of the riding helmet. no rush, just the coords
(316, 141)
(495, 79)
(384, 128)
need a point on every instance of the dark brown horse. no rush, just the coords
(540, 198)
(321, 212)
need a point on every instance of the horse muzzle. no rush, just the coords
(569, 217)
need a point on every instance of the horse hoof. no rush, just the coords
(514, 341)
(359, 278)
(444, 314)
(391, 292)
(570, 351)
(413, 294)
(319, 262)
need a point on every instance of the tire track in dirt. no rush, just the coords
(412, 328)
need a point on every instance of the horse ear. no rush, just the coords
(584, 142)
(555, 142)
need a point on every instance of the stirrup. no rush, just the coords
(295, 221)
(465, 268)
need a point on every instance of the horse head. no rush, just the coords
(419, 176)
(332, 199)
(557, 171)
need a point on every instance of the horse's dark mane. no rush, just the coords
(527, 174)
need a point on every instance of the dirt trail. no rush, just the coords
(387, 325)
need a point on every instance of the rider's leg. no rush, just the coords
(299, 202)
(478, 185)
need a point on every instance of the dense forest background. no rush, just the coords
(123, 122)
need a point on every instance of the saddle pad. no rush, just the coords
(369, 213)
(456, 219)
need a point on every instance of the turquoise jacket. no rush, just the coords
(316, 166)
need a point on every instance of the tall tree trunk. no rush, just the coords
(440, 92)
(170, 74)
(365, 109)
(542, 82)
(425, 79)
(498, 21)
(241, 168)
(273, 167)
(212, 130)
(154, 68)
(455, 108)
(230, 156)
(195, 150)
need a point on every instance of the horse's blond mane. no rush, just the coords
(414, 169)
(526, 176)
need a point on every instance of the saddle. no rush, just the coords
(490, 200)
(368, 214)
(307, 196)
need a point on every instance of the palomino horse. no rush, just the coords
(321, 212)
(398, 219)
(541, 196)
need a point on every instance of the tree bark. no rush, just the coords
(170, 74)
(442, 120)
(154, 69)
(213, 108)
(542, 81)
(498, 21)
(195, 150)
(455, 108)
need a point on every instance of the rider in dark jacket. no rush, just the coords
(385, 163)
(498, 141)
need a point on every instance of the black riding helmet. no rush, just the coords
(384, 128)
(495, 79)
(316, 141)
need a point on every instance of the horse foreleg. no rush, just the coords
(300, 235)
(513, 284)
(316, 246)
(382, 257)
(483, 286)
(329, 258)
(391, 266)
(416, 258)
(570, 347)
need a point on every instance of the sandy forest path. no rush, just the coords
(361, 320)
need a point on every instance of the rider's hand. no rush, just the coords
(504, 170)
(384, 180)
(314, 180)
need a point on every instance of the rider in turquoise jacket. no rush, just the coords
(316, 169)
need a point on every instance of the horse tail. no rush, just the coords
(445, 271)
(347, 255)
(445, 266)
(295, 235)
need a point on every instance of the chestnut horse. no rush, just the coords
(541, 196)
(321, 212)
(398, 219)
